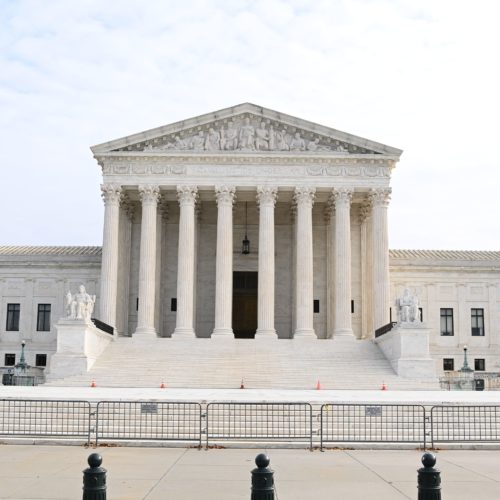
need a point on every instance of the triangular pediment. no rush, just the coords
(245, 128)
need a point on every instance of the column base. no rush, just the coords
(222, 333)
(343, 332)
(145, 330)
(266, 334)
(184, 333)
(304, 333)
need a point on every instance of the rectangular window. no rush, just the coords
(479, 365)
(41, 360)
(477, 322)
(446, 321)
(43, 318)
(352, 306)
(10, 359)
(173, 304)
(421, 314)
(448, 364)
(316, 305)
(13, 312)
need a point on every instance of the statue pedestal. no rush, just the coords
(79, 344)
(406, 347)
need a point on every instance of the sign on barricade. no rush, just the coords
(148, 421)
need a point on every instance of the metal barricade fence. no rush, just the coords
(45, 418)
(259, 422)
(465, 423)
(376, 423)
(148, 420)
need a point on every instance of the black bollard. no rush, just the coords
(94, 479)
(429, 479)
(262, 479)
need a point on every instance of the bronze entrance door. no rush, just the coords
(244, 304)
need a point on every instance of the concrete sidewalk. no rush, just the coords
(55, 472)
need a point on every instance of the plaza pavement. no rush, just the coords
(55, 472)
(252, 395)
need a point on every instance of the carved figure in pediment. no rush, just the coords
(297, 143)
(341, 149)
(262, 139)
(212, 141)
(281, 144)
(229, 137)
(247, 135)
(198, 141)
(313, 145)
(180, 143)
(272, 138)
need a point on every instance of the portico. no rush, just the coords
(306, 189)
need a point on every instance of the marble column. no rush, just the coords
(111, 195)
(147, 260)
(122, 308)
(380, 240)
(342, 297)
(366, 252)
(304, 198)
(266, 198)
(185, 262)
(225, 196)
(330, 266)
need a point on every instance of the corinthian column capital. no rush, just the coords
(267, 195)
(111, 193)
(304, 195)
(225, 195)
(187, 195)
(149, 194)
(341, 196)
(380, 196)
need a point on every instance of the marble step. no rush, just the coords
(214, 363)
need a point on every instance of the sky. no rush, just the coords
(420, 76)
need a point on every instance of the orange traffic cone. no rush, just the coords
(163, 385)
(93, 384)
(384, 387)
(318, 386)
(242, 385)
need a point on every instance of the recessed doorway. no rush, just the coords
(245, 304)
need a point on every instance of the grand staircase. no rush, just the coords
(220, 363)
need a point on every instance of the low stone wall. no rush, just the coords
(407, 349)
(79, 344)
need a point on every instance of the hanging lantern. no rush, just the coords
(245, 244)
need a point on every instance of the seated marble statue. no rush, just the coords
(407, 307)
(80, 305)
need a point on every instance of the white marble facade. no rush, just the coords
(313, 202)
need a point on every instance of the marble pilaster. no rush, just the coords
(186, 261)
(225, 196)
(304, 198)
(266, 197)
(147, 260)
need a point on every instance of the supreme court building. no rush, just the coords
(247, 222)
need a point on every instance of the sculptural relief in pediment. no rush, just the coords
(247, 134)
